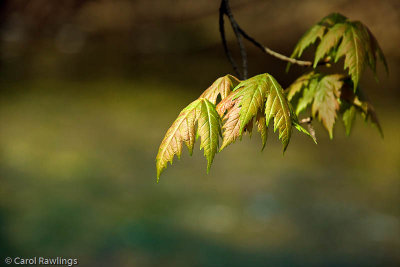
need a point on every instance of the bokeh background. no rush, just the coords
(88, 89)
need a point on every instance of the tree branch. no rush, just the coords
(239, 32)
(224, 43)
(273, 53)
(235, 27)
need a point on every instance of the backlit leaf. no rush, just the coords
(325, 103)
(202, 112)
(222, 86)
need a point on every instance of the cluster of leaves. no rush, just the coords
(329, 94)
(229, 107)
(259, 99)
(339, 37)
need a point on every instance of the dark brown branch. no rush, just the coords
(223, 37)
(239, 32)
(235, 27)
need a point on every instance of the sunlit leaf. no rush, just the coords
(222, 86)
(202, 112)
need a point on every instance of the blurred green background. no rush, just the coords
(88, 90)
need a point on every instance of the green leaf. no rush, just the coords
(310, 37)
(301, 129)
(367, 112)
(299, 84)
(333, 19)
(222, 86)
(348, 118)
(308, 95)
(343, 38)
(262, 128)
(377, 51)
(201, 111)
(253, 94)
(277, 107)
(209, 130)
(316, 32)
(371, 114)
(330, 40)
(353, 49)
(325, 102)
(261, 93)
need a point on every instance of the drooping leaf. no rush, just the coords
(310, 37)
(262, 128)
(231, 122)
(330, 40)
(348, 118)
(277, 107)
(222, 86)
(261, 93)
(315, 33)
(343, 38)
(308, 95)
(299, 84)
(353, 49)
(202, 112)
(371, 114)
(209, 130)
(325, 103)
(253, 94)
(309, 132)
(377, 51)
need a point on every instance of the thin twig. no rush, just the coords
(309, 125)
(306, 120)
(235, 28)
(239, 32)
(273, 53)
(223, 37)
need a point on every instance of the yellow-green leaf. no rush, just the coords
(202, 112)
(325, 102)
(277, 107)
(222, 86)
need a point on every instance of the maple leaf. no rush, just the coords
(362, 106)
(348, 117)
(325, 103)
(261, 93)
(340, 37)
(299, 84)
(277, 107)
(308, 94)
(330, 40)
(202, 112)
(229, 110)
(231, 122)
(262, 128)
(315, 33)
(323, 92)
(329, 94)
(222, 86)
